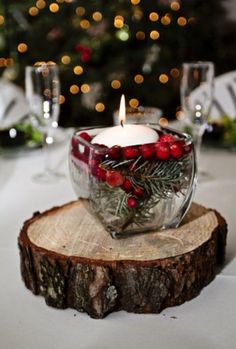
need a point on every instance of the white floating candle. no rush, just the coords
(126, 135)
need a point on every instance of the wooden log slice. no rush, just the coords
(69, 259)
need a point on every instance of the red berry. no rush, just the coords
(114, 178)
(114, 152)
(101, 174)
(176, 150)
(75, 153)
(74, 142)
(85, 136)
(147, 151)
(131, 152)
(93, 164)
(167, 138)
(162, 151)
(139, 191)
(132, 202)
(86, 152)
(127, 185)
(96, 155)
(96, 170)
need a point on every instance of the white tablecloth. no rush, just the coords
(208, 321)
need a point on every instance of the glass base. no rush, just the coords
(48, 177)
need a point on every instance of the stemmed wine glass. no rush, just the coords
(196, 99)
(42, 87)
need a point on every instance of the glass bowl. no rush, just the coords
(134, 189)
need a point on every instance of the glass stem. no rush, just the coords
(197, 140)
(48, 140)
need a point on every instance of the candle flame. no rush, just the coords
(122, 112)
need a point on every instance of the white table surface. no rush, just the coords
(208, 321)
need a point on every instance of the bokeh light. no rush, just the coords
(139, 79)
(154, 35)
(65, 59)
(22, 47)
(85, 24)
(153, 16)
(97, 16)
(140, 35)
(33, 11)
(74, 89)
(54, 7)
(116, 84)
(134, 102)
(100, 107)
(78, 70)
(85, 88)
(175, 5)
(2, 20)
(163, 78)
(182, 21)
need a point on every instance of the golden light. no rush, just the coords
(80, 11)
(119, 22)
(139, 79)
(9, 62)
(97, 16)
(2, 19)
(163, 78)
(40, 4)
(140, 35)
(175, 73)
(165, 20)
(62, 99)
(122, 110)
(175, 5)
(135, 2)
(85, 88)
(182, 21)
(54, 7)
(74, 89)
(65, 59)
(153, 16)
(179, 115)
(2, 62)
(115, 84)
(154, 35)
(22, 47)
(39, 63)
(85, 24)
(163, 121)
(51, 63)
(33, 11)
(134, 102)
(78, 70)
(191, 20)
(100, 107)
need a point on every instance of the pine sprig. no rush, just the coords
(159, 179)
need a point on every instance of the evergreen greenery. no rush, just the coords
(160, 180)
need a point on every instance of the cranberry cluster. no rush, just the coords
(167, 147)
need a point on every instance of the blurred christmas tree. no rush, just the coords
(105, 48)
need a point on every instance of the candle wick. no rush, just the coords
(122, 123)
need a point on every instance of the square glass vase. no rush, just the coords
(138, 188)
